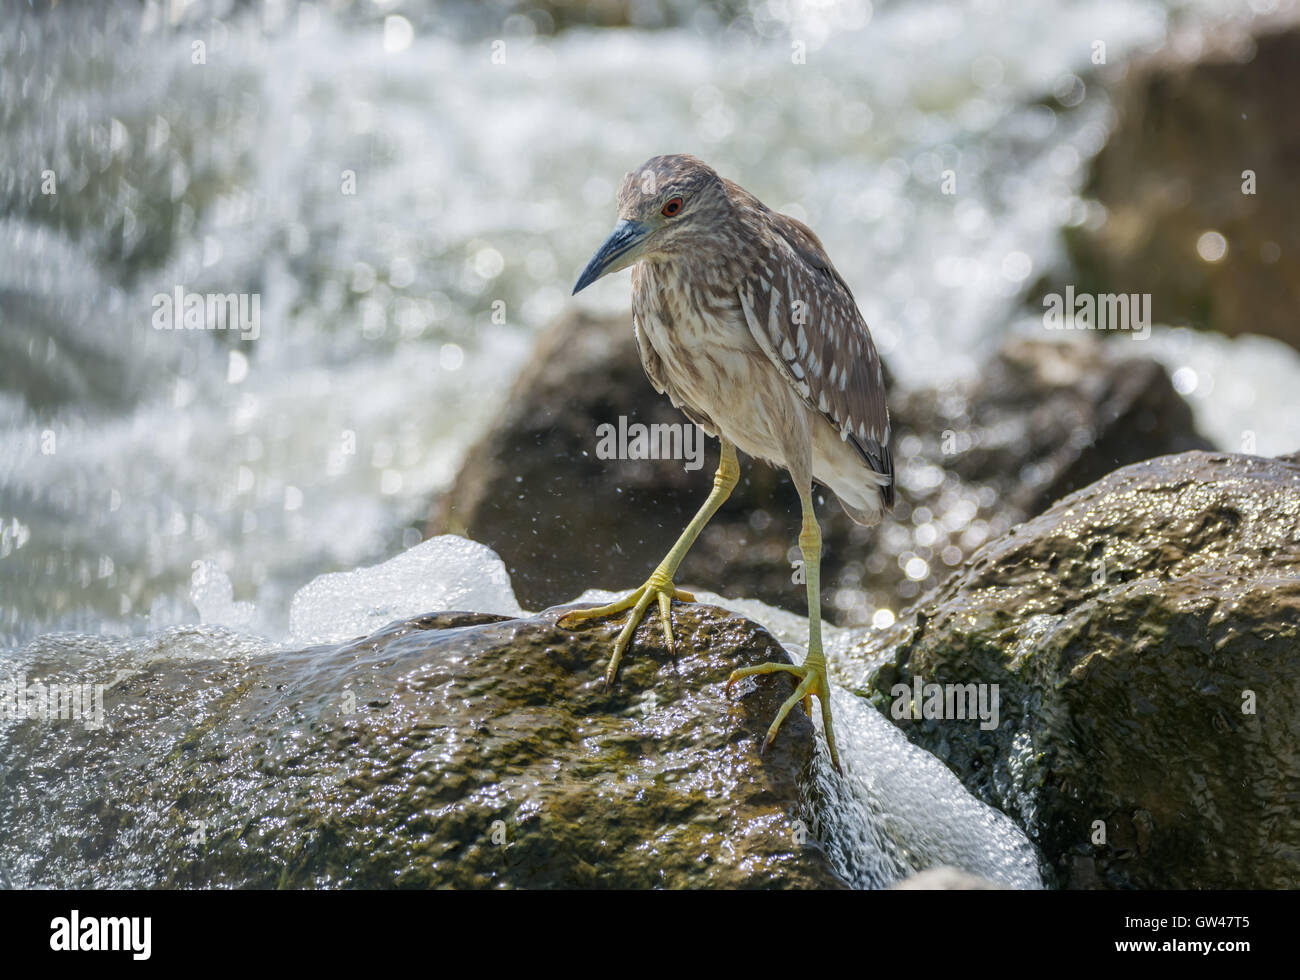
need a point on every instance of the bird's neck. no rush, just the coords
(701, 282)
(703, 265)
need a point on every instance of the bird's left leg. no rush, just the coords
(660, 584)
(812, 672)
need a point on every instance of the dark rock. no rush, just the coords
(1042, 419)
(453, 750)
(1189, 126)
(1045, 418)
(1143, 633)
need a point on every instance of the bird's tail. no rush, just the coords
(878, 496)
(867, 514)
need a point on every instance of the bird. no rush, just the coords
(741, 319)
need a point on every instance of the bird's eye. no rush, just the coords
(672, 207)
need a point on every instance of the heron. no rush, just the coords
(743, 321)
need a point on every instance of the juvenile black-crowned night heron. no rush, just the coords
(742, 320)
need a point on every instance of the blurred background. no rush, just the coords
(410, 189)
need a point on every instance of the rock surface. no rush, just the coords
(1043, 418)
(1193, 119)
(1143, 633)
(453, 750)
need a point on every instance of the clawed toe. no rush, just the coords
(742, 672)
(812, 681)
(638, 601)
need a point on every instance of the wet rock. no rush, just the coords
(1045, 418)
(1142, 634)
(452, 750)
(1041, 419)
(1193, 120)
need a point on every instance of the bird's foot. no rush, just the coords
(658, 587)
(812, 680)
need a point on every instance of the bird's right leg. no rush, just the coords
(812, 672)
(660, 584)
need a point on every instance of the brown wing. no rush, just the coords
(803, 316)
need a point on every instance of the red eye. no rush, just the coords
(672, 207)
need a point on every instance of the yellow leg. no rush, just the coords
(660, 584)
(812, 673)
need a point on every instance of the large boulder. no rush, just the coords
(451, 750)
(1040, 420)
(1207, 143)
(1144, 637)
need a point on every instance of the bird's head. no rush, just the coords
(666, 205)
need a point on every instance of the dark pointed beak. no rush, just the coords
(625, 237)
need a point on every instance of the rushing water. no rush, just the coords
(128, 455)
(410, 206)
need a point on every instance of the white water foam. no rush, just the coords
(442, 573)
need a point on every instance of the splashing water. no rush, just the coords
(409, 213)
(446, 573)
(898, 809)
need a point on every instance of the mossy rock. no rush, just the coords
(1144, 633)
(453, 750)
